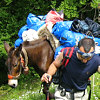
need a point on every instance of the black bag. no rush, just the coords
(79, 26)
(75, 25)
(94, 27)
(83, 27)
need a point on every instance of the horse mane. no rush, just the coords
(29, 43)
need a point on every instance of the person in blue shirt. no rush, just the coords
(82, 65)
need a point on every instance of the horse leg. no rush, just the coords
(49, 95)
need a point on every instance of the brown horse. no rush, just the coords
(38, 53)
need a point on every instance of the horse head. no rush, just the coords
(13, 63)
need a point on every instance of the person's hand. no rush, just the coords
(46, 78)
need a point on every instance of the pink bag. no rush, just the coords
(53, 17)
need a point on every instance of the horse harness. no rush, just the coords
(24, 62)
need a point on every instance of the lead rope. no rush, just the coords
(26, 57)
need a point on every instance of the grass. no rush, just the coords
(95, 87)
(26, 90)
(29, 87)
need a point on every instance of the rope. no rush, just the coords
(26, 57)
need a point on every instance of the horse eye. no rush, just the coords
(63, 38)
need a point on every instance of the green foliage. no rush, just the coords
(3, 68)
(69, 8)
(14, 14)
(96, 87)
(73, 8)
(94, 3)
(8, 1)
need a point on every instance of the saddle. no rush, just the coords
(44, 31)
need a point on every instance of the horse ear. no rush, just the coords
(6, 46)
(18, 50)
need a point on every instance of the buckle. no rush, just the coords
(67, 57)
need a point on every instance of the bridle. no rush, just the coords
(23, 64)
(15, 77)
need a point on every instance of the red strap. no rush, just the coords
(67, 50)
(10, 76)
(71, 52)
(22, 61)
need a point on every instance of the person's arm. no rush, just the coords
(52, 68)
(99, 69)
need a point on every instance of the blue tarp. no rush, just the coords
(70, 39)
(42, 17)
(59, 27)
(34, 22)
(18, 42)
(67, 38)
(58, 49)
(37, 26)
